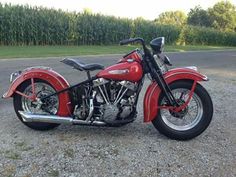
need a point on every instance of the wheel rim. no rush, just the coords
(192, 115)
(50, 105)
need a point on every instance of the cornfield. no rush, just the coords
(26, 25)
(207, 36)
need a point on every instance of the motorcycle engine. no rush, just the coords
(114, 100)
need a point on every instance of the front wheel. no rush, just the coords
(189, 122)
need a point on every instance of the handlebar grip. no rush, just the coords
(126, 41)
(131, 40)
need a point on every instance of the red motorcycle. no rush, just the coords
(175, 102)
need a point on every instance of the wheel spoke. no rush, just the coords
(51, 105)
(189, 117)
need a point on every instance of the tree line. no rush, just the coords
(222, 16)
(26, 25)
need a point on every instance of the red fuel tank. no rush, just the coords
(123, 71)
(136, 56)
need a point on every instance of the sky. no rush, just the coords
(148, 9)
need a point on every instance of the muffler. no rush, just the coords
(30, 117)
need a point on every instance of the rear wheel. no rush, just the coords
(50, 106)
(189, 122)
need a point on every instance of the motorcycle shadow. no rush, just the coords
(135, 130)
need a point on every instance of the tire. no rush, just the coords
(202, 118)
(17, 101)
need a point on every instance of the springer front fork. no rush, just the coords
(156, 74)
(173, 105)
(158, 77)
(181, 107)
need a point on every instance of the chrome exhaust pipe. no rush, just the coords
(30, 117)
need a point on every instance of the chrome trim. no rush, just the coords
(162, 41)
(35, 106)
(130, 60)
(14, 76)
(106, 94)
(121, 96)
(99, 81)
(129, 85)
(118, 95)
(30, 117)
(91, 107)
(161, 64)
(192, 67)
(4, 95)
(121, 71)
(104, 97)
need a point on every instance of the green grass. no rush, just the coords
(177, 48)
(60, 51)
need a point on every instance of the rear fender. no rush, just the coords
(52, 77)
(153, 92)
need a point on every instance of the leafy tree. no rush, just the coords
(199, 17)
(172, 18)
(223, 15)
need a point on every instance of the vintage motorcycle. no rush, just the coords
(175, 102)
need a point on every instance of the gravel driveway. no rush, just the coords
(136, 149)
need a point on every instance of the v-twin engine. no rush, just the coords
(114, 100)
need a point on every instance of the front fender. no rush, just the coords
(52, 77)
(150, 103)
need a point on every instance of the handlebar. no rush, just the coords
(139, 40)
(132, 40)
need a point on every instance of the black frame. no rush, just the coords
(71, 87)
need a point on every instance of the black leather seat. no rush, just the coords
(75, 63)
